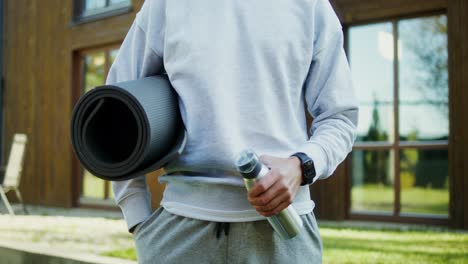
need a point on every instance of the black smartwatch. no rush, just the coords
(308, 168)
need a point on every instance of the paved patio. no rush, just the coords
(66, 232)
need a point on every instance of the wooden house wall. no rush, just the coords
(40, 41)
(37, 95)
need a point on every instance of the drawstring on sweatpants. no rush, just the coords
(220, 227)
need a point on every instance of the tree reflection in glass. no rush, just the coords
(371, 61)
(422, 88)
(423, 79)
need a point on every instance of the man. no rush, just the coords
(244, 72)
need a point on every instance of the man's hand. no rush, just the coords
(277, 189)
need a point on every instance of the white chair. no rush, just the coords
(12, 177)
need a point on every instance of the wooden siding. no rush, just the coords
(458, 93)
(364, 11)
(39, 43)
(331, 195)
(37, 95)
(102, 32)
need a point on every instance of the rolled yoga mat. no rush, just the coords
(128, 129)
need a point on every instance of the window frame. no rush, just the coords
(81, 16)
(396, 146)
(78, 170)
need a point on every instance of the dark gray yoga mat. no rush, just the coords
(128, 129)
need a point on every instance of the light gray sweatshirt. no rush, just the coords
(243, 71)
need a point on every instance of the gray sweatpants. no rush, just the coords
(168, 238)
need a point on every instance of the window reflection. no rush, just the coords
(372, 181)
(113, 2)
(424, 181)
(423, 79)
(93, 187)
(422, 86)
(95, 7)
(371, 62)
(94, 4)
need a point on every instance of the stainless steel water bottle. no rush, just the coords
(286, 223)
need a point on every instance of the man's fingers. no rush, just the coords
(276, 210)
(275, 202)
(264, 184)
(275, 191)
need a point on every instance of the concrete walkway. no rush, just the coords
(82, 236)
(13, 253)
(59, 211)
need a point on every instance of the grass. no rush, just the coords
(358, 245)
(128, 253)
(370, 245)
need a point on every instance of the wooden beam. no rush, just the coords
(458, 95)
(364, 11)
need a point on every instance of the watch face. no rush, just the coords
(309, 168)
(308, 163)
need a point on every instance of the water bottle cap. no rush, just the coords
(246, 161)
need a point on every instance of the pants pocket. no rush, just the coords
(147, 222)
(311, 226)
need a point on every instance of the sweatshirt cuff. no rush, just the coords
(136, 208)
(319, 157)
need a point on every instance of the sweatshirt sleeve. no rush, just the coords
(140, 55)
(329, 96)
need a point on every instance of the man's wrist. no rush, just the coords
(296, 163)
(307, 168)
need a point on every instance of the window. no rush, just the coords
(88, 10)
(399, 165)
(94, 68)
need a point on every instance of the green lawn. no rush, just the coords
(393, 246)
(367, 245)
(128, 253)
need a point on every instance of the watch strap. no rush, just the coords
(308, 168)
